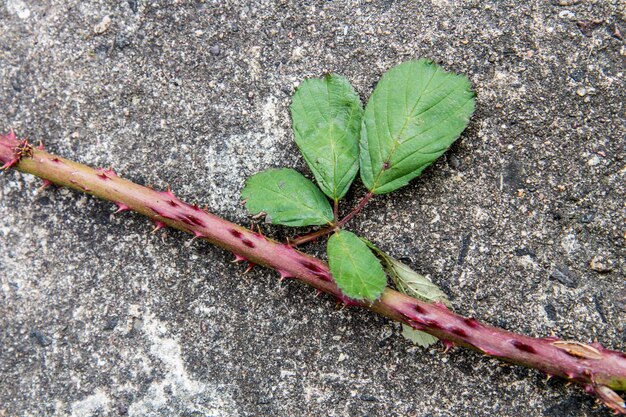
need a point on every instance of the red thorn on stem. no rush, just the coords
(318, 293)
(10, 164)
(157, 226)
(284, 275)
(121, 207)
(489, 352)
(196, 235)
(168, 192)
(249, 268)
(46, 183)
(441, 305)
(40, 147)
(447, 345)
(102, 174)
(238, 258)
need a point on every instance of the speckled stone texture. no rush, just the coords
(522, 223)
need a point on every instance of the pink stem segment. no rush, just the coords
(598, 370)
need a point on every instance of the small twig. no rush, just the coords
(337, 224)
(356, 210)
(301, 240)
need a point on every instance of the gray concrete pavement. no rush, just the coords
(522, 223)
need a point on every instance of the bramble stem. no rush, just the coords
(600, 371)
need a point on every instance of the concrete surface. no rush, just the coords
(522, 223)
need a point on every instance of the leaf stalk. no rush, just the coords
(356, 210)
(336, 226)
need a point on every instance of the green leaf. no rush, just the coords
(287, 198)
(326, 117)
(411, 283)
(356, 270)
(408, 281)
(415, 113)
(418, 337)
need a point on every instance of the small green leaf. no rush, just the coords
(413, 116)
(287, 198)
(408, 281)
(418, 337)
(356, 270)
(411, 283)
(326, 117)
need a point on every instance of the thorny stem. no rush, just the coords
(301, 240)
(598, 370)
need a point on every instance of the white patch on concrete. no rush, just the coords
(19, 8)
(198, 397)
(95, 404)
(595, 160)
(527, 261)
(570, 243)
(441, 3)
(254, 64)
(270, 118)
(231, 160)
(502, 82)
(102, 26)
(238, 157)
